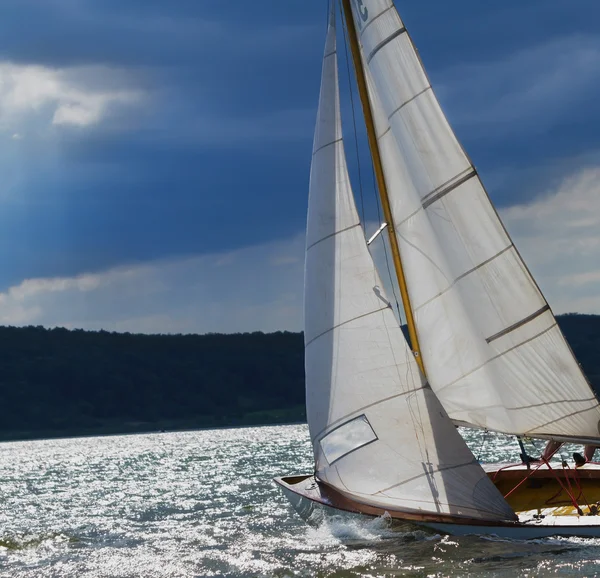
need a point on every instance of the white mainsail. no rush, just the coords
(492, 349)
(379, 433)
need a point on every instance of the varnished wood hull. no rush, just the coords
(313, 500)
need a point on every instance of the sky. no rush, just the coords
(154, 156)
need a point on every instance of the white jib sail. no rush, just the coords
(492, 349)
(379, 434)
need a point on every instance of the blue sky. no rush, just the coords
(155, 155)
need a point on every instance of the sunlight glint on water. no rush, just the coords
(203, 504)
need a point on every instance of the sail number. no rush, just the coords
(362, 11)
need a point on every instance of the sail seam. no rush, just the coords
(374, 19)
(541, 404)
(533, 433)
(595, 406)
(544, 404)
(331, 235)
(409, 101)
(467, 273)
(429, 473)
(398, 225)
(532, 338)
(447, 187)
(383, 43)
(518, 324)
(347, 417)
(346, 322)
(388, 129)
(327, 145)
(330, 54)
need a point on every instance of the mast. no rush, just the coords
(381, 185)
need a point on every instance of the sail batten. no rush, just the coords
(384, 42)
(337, 140)
(408, 102)
(446, 188)
(493, 352)
(518, 324)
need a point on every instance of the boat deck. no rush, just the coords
(546, 491)
(591, 470)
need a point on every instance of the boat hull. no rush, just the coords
(315, 501)
(314, 512)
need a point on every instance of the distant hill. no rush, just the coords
(583, 334)
(56, 382)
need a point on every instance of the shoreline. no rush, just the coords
(47, 435)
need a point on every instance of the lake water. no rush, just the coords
(202, 503)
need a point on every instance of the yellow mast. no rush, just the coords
(385, 202)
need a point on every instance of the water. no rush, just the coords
(202, 504)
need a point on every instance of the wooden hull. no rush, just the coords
(314, 500)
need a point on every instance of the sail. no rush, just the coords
(492, 349)
(379, 434)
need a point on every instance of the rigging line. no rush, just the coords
(537, 449)
(577, 481)
(485, 436)
(360, 187)
(385, 251)
(567, 491)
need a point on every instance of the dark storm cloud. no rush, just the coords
(204, 162)
(63, 32)
(213, 152)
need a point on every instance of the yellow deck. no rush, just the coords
(542, 493)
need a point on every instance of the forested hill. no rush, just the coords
(56, 382)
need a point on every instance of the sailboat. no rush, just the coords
(485, 349)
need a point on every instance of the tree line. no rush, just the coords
(59, 382)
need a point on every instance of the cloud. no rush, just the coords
(581, 279)
(513, 183)
(529, 90)
(195, 126)
(60, 96)
(133, 33)
(526, 115)
(261, 287)
(558, 235)
(187, 132)
(252, 289)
